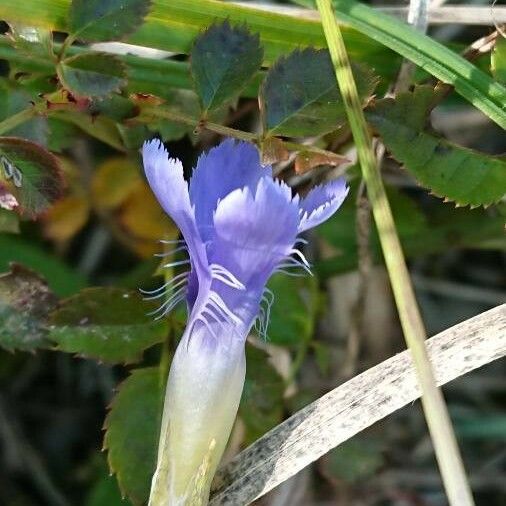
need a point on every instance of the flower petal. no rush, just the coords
(225, 168)
(254, 231)
(165, 176)
(321, 203)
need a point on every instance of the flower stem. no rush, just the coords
(436, 413)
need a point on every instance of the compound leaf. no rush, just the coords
(448, 170)
(223, 60)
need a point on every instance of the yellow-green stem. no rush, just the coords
(17, 119)
(436, 413)
(164, 112)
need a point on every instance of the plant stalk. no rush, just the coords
(436, 413)
(17, 119)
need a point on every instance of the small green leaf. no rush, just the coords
(32, 41)
(14, 99)
(9, 221)
(294, 309)
(30, 175)
(108, 324)
(261, 406)
(132, 429)
(223, 60)
(25, 301)
(61, 279)
(498, 60)
(92, 74)
(104, 20)
(300, 95)
(450, 171)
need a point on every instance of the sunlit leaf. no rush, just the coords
(224, 58)
(261, 406)
(92, 74)
(143, 217)
(106, 19)
(32, 40)
(113, 181)
(108, 324)
(25, 301)
(448, 170)
(66, 217)
(132, 429)
(30, 174)
(293, 312)
(300, 95)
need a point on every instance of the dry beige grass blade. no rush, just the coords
(437, 15)
(355, 405)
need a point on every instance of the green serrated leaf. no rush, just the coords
(448, 170)
(261, 406)
(448, 228)
(104, 20)
(30, 175)
(92, 74)
(108, 324)
(498, 60)
(31, 40)
(294, 309)
(132, 428)
(25, 301)
(223, 60)
(300, 96)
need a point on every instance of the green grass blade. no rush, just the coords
(174, 24)
(436, 414)
(470, 82)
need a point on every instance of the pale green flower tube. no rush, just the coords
(202, 397)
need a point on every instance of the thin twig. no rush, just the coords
(166, 113)
(354, 406)
(436, 413)
(365, 262)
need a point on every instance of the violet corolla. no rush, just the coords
(239, 226)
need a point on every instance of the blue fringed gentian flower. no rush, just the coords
(239, 226)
